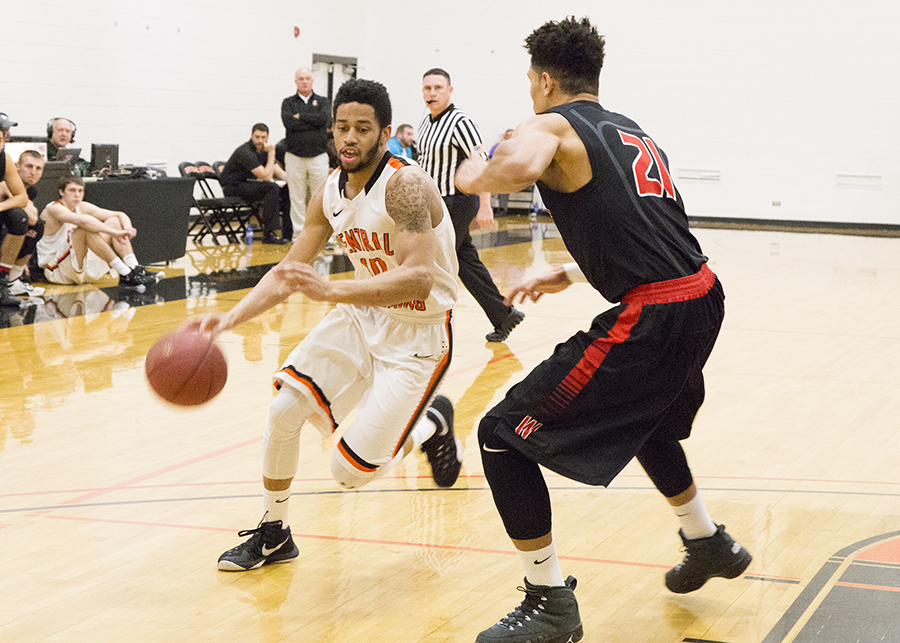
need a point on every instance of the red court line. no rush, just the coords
(148, 476)
(881, 588)
(757, 478)
(365, 541)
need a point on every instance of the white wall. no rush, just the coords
(776, 98)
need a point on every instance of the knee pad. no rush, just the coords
(15, 220)
(486, 428)
(281, 442)
(346, 475)
(29, 245)
(515, 482)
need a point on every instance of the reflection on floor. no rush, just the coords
(208, 270)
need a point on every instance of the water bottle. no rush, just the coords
(248, 238)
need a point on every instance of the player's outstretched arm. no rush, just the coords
(279, 283)
(517, 162)
(413, 202)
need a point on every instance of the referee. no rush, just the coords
(447, 137)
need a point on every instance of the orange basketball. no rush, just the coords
(186, 368)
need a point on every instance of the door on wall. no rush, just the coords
(330, 72)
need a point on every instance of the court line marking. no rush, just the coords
(174, 467)
(365, 541)
(880, 588)
(80, 502)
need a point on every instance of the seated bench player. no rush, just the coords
(82, 242)
(30, 168)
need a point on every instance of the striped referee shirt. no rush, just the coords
(444, 141)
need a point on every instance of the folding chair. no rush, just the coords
(236, 210)
(211, 212)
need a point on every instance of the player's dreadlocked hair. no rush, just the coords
(366, 92)
(571, 51)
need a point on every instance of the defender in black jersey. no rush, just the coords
(630, 385)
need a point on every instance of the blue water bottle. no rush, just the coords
(248, 238)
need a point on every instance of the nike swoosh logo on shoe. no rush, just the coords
(267, 551)
(490, 450)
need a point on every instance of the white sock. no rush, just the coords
(119, 266)
(130, 260)
(695, 519)
(275, 504)
(423, 430)
(15, 272)
(542, 566)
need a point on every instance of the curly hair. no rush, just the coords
(366, 92)
(571, 51)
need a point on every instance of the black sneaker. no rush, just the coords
(443, 449)
(153, 276)
(501, 332)
(269, 543)
(137, 277)
(547, 615)
(7, 299)
(704, 558)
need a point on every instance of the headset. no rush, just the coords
(53, 120)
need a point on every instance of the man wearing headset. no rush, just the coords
(61, 132)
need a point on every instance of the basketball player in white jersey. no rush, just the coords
(387, 344)
(82, 242)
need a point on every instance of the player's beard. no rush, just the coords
(364, 160)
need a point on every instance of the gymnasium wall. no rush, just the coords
(767, 110)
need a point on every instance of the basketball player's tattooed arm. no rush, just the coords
(409, 201)
(413, 202)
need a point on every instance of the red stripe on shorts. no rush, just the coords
(660, 292)
(593, 357)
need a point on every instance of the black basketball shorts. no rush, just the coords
(586, 411)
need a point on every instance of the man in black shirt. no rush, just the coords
(631, 385)
(250, 172)
(306, 117)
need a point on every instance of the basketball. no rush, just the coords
(186, 368)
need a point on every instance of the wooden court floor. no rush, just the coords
(115, 506)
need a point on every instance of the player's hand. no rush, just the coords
(468, 172)
(123, 235)
(485, 216)
(533, 289)
(298, 276)
(211, 324)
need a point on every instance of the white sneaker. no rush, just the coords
(24, 289)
